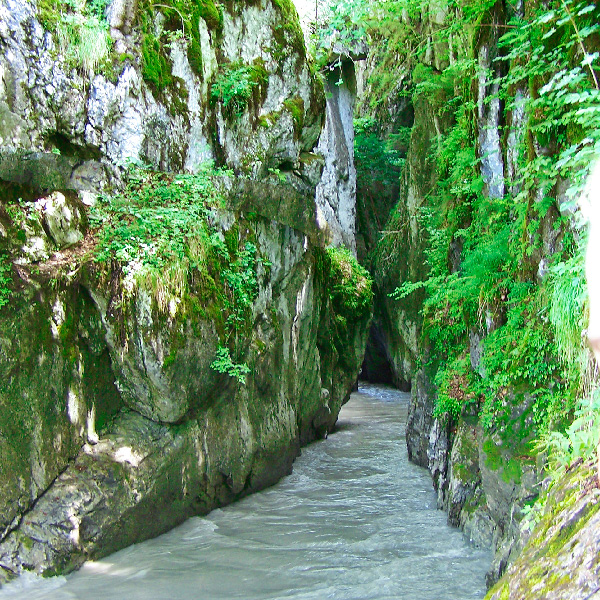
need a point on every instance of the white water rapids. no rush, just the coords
(354, 521)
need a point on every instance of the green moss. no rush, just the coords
(497, 458)
(269, 119)
(213, 17)
(212, 14)
(194, 54)
(289, 41)
(232, 240)
(349, 284)
(287, 35)
(461, 472)
(177, 343)
(296, 108)
(26, 541)
(181, 17)
(552, 546)
(68, 336)
(156, 68)
(49, 13)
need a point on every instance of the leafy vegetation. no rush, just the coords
(378, 161)
(158, 232)
(340, 25)
(504, 268)
(235, 84)
(350, 287)
(81, 28)
(579, 441)
(5, 280)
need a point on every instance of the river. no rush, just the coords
(354, 521)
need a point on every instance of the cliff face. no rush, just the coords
(476, 402)
(186, 366)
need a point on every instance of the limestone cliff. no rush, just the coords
(155, 382)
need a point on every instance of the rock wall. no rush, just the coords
(114, 426)
(336, 192)
(121, 112)
(483, 477)
(560, 559)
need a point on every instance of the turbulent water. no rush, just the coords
(355, 521)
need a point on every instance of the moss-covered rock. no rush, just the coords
(561, 558)
(120, 413)
(140, 422)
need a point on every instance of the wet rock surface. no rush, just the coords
(561, 558)
(114, 427)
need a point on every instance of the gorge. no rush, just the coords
(192, 266)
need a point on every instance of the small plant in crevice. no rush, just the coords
(225, 364)
(234, 86)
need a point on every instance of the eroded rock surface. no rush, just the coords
(561, 560)
(114, 426)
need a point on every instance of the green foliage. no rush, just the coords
(152, 224)
(295, 106)
(341, 25)
(225, 364)
(580, 440)
(377, 161)
(455, 388)
(349, 284)
(159, 232)
(5, 280)
(235, 84)
(349, 288)
(567, 312)
(483, 253)
(554, 55)
(81, 28)
(521, 354)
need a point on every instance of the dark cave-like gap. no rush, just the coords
(376, 366)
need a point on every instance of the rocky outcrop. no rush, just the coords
(115, 423)
(336, 192)
(142, 432)
(161, 107)
(561, 558)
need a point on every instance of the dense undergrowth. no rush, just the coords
(160, 232)
(504, 256)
